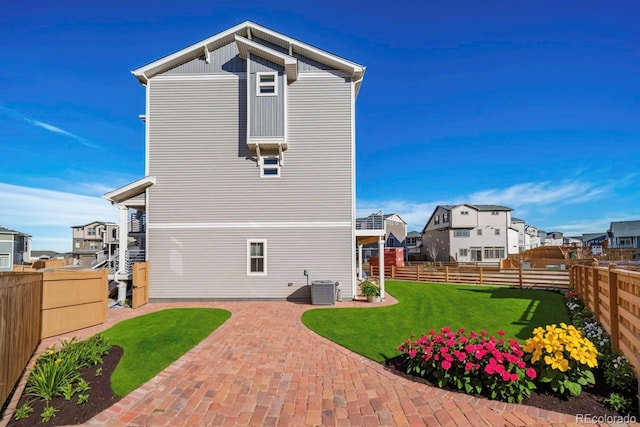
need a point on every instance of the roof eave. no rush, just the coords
(122, 194)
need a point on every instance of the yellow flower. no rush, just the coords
(58, 361)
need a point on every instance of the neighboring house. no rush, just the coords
(414, 244)
(467, 233)
(47, 255)
(624, 235)
(15, 248)
(554, 238)
(534, 236)
(594, 241)
(395, 233)
(572, 241)
(92, 239)
(523, 242)
(250, 168)
(542, 237)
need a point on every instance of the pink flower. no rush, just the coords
(490, 369)
(521, 364)
(450, 342)
(506, 376)
(446, 365)
(468, 366)
(500, 332)
(500, 369)
(413, 353)
(514, 377)
(531, 373)
(445, 330)
(432, 331)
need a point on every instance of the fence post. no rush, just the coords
(596, 293)
(446, 274)
(481, 278)
(417, 273)
(393, 271)
(520, 275)
(613, 306)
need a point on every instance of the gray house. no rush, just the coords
(624, 235)
(15, 248)
(250, 168)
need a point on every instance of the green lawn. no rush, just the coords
(376, 332)
(154, 341)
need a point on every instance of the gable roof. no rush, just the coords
(5, 230)
(241, 34)
(625, 228)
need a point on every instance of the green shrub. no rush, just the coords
(50, 373)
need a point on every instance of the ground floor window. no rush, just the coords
(476, 254)
(256, 257)
(495, 253)
(464, 252)
(5, 261)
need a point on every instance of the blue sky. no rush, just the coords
(534, 105)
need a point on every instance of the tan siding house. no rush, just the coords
(250, 168)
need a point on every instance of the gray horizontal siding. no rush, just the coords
(222, 60)
(273, 46)
(213, 263)
(205, 172)
(267, 112)
(308, 64)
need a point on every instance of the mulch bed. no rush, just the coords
(69, 412)
(588, 402)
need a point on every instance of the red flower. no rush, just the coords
(446, 365)
(500, 332)
(531, 373)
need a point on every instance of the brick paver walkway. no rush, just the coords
(263, 367)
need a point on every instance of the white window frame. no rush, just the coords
(264, 166)
(268, 84)
(479, 231)
(264, 257)
(461, 233)
(8, 258)
(464, 252)
(497, 231)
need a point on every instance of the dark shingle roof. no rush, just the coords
(625, 228)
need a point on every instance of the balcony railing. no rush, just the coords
(138, 222)
(132, 256)
(372, 222)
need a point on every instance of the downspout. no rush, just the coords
(121, 274)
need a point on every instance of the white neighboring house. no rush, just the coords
(533, 236)
(467, 233)
(519, 243)
(554, 238)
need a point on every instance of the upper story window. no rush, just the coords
(479, 231)
(497, 231)
(445, 217)
(270, 166)
(91, 231)
(436, 220)
(464, 212)
(495, 213)
(461, 233)
(5, 261)
(267, 84)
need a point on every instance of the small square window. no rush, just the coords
(497, 231)
(479, 231)
(267, 84)
(5, 261)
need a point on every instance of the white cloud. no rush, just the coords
(525, 198)
(14, 114)
(51, 213)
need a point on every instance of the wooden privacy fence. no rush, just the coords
(73, 300)
(140, 291)
(614, 297)
(20, 322)
(477, 275)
